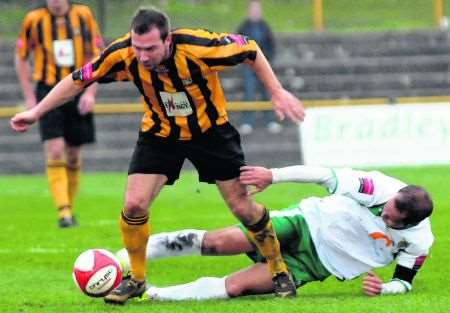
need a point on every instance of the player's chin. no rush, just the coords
(149, 66)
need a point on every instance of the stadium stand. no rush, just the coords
(313, 66)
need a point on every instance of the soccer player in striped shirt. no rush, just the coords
(185, 117)
(369, 221)
(62, 37)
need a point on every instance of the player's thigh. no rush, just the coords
(140, 191)
(218, 155)
(55, 148)
(284, 223)
(73, 155)
(255, 279)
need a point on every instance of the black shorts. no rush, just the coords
(65, 121)
(217, 155)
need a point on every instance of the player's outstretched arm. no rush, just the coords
(64, 91)
(257, 176)
(284, 103)
(261, 177)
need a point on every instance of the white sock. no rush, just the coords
(177, 243)
(202, 289)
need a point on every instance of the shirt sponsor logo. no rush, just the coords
(63, 52)
(161, 69)
(176, 104)
(378, 235)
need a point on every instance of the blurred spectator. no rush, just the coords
(256, 28)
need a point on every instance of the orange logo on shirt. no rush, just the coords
(378, 235)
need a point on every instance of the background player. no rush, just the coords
(62, 37)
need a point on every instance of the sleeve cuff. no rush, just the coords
(396, 286)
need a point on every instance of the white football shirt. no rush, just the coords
(350, 236)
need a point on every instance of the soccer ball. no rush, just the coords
(96, 272)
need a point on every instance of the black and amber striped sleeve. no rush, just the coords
(109, 66)
(25, 42)
(217, 51)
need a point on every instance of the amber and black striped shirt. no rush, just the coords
(59, 44)
(182, 97)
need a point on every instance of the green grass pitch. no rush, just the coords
(36, 257)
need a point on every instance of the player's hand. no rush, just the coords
(285, 104)
(21, 122)
(86, 103)
(257, 176)
(372, 284)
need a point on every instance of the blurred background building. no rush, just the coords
(329, 52)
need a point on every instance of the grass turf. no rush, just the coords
(37, 257)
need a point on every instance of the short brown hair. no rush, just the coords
(415, 203)
(145, 19)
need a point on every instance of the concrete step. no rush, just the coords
(389, 38)
(377, 93)
(388, 81)
(327, 51)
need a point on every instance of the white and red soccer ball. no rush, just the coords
(96, 272)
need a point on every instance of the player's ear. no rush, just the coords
(168, 39)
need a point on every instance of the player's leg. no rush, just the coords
(57, 179)
(257, 221)
(79, 130)
(51, 130)
(73, 172)
(155, 162)
(226, 241)
(256, 279)
(219, 159)
(140, 192)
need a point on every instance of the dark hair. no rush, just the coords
(415, 202)
(145, 19)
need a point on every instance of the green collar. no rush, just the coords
(377, 209)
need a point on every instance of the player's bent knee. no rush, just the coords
(135, 207)
(243, 211)
(233, 287)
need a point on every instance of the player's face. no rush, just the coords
(392, 217)
(150, 49)
(58, 7)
